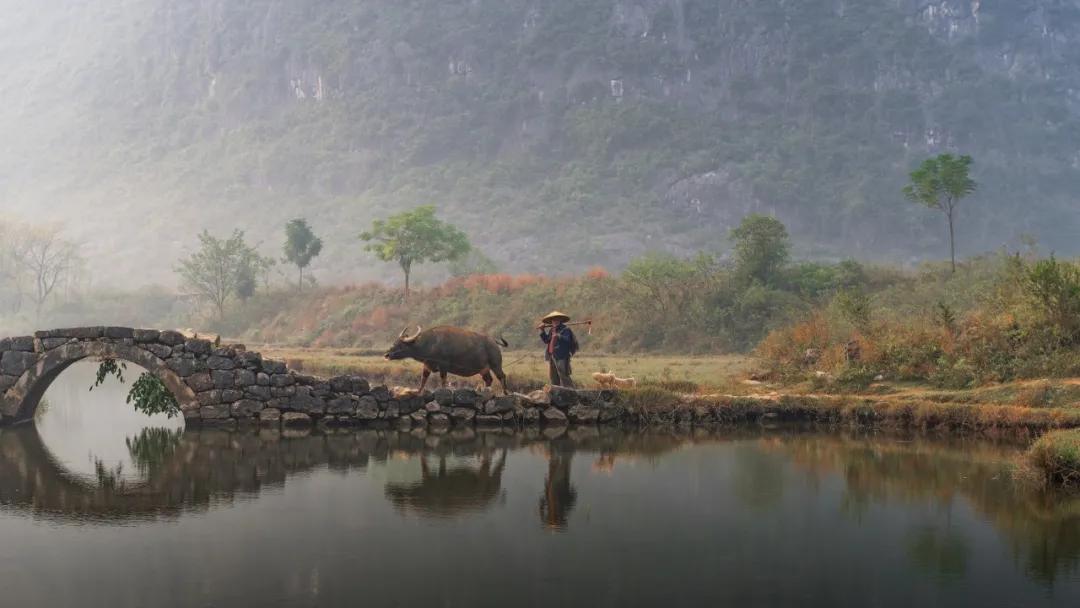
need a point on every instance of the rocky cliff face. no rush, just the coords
(638, 124)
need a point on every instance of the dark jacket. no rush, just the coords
(564, 339)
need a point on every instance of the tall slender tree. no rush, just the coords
(301, 246)
(415, 237)
(940, 183)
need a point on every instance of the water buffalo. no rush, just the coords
(451, 350)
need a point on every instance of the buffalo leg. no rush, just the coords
(502, 380)
(487, 378)
(424, 377)
(442, 376)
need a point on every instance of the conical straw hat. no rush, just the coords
(551, 316)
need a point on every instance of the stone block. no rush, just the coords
(269, 415)
(282, 391)
(381, 393)
(119, 333)
(305, 400)
(250, 360)
(499, 405)
(7, 382)
(294, 419)
(484, 420)
(439, 420)
(23, 343)
(562, 398)
(159, 350)
(14, 363)
(246, 408)
(262, 379)
(367, 408)
(392, 410)
(51, 343)
(433, 407)
(230, 395)
(280, 380)
(197, 346)
(200, 382)
(214, 412)
(258, 392)
(171, 338)
(341, 405)
(245, 377)
(465, 396)
(553, 415)
(462, 414)
(583, 414)
(410, 404)
(182, 367)
(271, 366)
(79, 333)
(146, 335)
(223, 378)
(209, 397)
(220, 363)
(444, 396)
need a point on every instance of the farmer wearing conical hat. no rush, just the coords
(560, 345)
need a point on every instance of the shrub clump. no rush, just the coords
(1009, 319)
(1057, 455)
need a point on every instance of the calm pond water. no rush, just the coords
(101, 506)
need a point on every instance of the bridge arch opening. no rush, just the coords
(96, 436)
(21, 401)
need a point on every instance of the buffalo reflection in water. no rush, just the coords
(450, 491)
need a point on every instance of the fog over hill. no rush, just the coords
(559, 134)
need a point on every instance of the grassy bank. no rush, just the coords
(527, 370)
(1057, 455)
(656, 405)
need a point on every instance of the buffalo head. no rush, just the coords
(403, 346)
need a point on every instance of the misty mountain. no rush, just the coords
(559, 134)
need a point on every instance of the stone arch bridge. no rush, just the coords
(227, 384)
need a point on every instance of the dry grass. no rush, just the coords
(529, 370)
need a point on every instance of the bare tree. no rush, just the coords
(47, 258)
(11, 278)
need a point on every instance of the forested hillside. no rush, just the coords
(560, 134)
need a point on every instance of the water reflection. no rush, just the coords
(943, 508)
(450, 490)
(559, 494)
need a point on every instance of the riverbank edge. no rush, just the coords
(1054, 455)
(645, 407)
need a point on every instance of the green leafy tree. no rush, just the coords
(301, 245)
(940, 183)
(761, 248)
(415, 237)
(222, 269)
